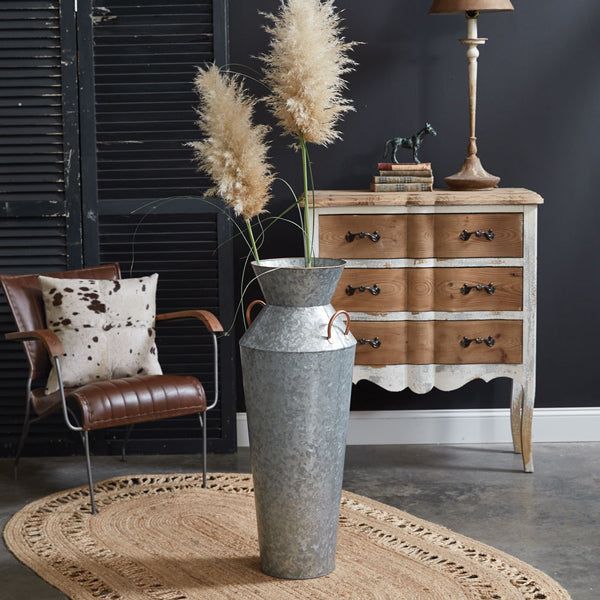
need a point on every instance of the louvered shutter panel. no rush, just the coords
(141, 58)
(145, 56)
(39, 197)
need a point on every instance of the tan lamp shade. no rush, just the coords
(459, 6)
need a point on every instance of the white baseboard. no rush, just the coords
(484, 426)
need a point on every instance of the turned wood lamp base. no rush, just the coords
(472, 176)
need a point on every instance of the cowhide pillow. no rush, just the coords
(106, 327)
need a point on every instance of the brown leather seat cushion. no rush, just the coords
(137, 400)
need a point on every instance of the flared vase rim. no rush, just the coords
(275, 263)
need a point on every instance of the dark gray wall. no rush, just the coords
(539, 122)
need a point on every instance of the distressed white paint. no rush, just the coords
(529, 333)
(439, 316)
(404, 263)
(423, 378)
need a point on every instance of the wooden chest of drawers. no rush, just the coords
(441, 287)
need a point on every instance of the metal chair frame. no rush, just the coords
(68, 414)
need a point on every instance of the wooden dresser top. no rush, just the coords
(500, 196)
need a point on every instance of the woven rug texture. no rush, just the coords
(163, 537)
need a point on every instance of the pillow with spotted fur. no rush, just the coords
(106, 327)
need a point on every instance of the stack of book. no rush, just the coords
(398, 177)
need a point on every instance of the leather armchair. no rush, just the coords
(100, 404)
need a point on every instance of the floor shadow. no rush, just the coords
(482, 449)
(430, 458)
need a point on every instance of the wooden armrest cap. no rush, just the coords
(212, 323)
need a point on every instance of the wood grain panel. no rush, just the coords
(507, 228)
(426, 289)
(421, 236)
(438, 342)
(391, 228)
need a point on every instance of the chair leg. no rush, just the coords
(22, 439)
(124, 447)
(86, 445)
(204, 424)
(26, 425)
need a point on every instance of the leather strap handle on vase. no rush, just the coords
(249, 310)
(339, 313)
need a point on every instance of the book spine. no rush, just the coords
(404, 166)
(401, 187)
(403, 179)
(417, 175)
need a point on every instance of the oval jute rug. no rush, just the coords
(163, 537)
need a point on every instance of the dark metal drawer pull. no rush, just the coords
(374, 343)
(374, 237)
(465, 235)
(374, 289)
(490, 288)
(488, 341)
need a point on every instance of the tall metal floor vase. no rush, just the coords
(297, 360)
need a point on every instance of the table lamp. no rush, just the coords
(472, 176)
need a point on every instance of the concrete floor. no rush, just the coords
(550, 519)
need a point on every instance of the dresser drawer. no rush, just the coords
(438, 342)
(425, 289)
(480, 235)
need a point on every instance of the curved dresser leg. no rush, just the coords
(516, 412)
(526, 424)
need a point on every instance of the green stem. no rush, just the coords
(314, 212)
(252, 241)
(307, 224)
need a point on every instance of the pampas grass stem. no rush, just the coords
(307, 223)
(252, 241)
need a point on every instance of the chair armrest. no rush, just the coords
(48, 338)
(210, 321)
(214, 326)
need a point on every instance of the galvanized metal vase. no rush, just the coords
(297, 360)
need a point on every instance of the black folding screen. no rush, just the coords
(96, 104)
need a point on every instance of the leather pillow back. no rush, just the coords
(106, 327)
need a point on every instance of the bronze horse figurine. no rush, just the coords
(410, 143)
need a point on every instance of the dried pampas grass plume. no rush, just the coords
(303, 68)
(234, 151)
